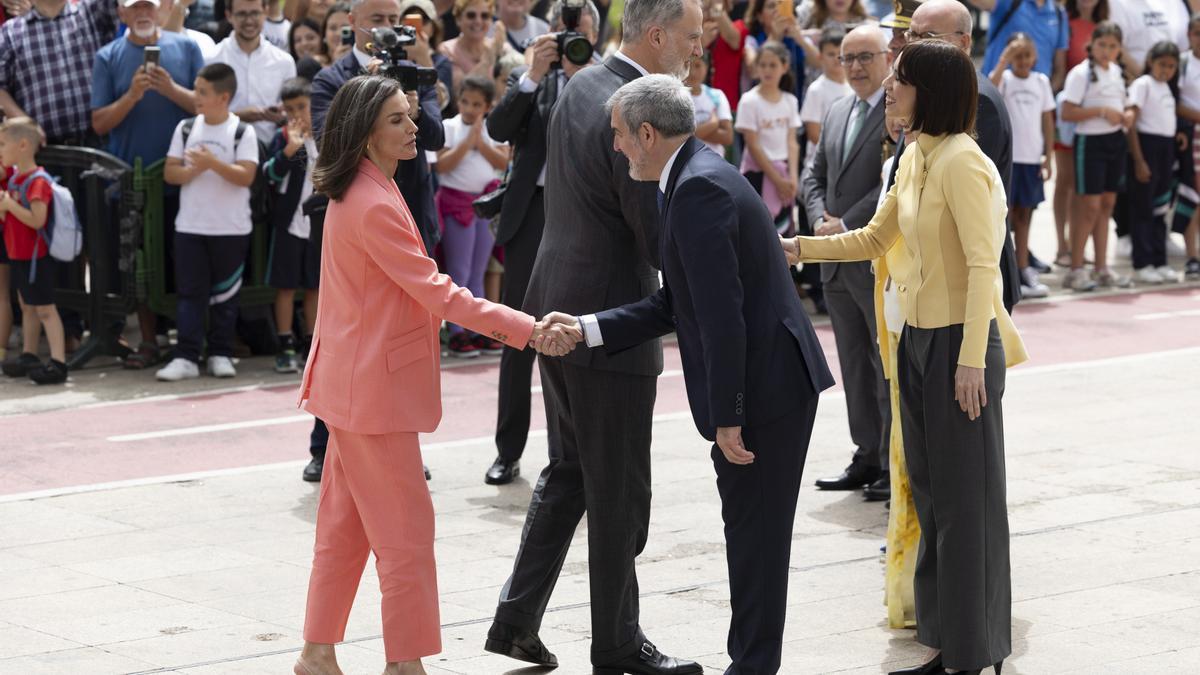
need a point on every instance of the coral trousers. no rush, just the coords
(374, 499)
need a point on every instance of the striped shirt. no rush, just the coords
(46, 64)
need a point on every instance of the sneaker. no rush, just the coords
(1169, 276)
(1031, 285)
(178, 369)
(1078, 280)
(461, 346)
(1125, 247)
(1147, 275)
(486, 345)
(221, 366)
(1110, 279)
(21, 365)
(1191, 271)
(287, 362)
(52, 372)
(1174, 250)
(1038, 265)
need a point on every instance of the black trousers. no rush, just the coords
(516, 365)
(1148, 202)
(599, 435)
(963, 585)
(208, 275)
(318, 439)
(758, 505)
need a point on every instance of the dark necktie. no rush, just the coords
(662, 201)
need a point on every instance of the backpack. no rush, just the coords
(259, 190)
(63, 233)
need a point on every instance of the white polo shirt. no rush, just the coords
(260, 75)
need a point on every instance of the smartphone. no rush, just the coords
(347, 35)
(415, 21)
(150, 56)
(786, 8)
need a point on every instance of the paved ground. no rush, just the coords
(163, 528)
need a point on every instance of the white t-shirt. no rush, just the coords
(1108, 91)
(817, 101)
(260, 76)
(210, 204)
(1027, 100)
(533, 27)
(1145, 22)
(276, 32)
(773, 122)
(204, 42)
(1189, 80)
(711, 102)
(1156, 106)
(473, 173)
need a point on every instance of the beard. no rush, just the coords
(145, 32)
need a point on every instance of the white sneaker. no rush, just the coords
(178, 369)
(1031, 285)
(1173, 248)
(1125, 246)
(1079, 280)
(1169, 276)
(221, 366)
(1147, 275)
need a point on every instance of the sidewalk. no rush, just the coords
(208, 576)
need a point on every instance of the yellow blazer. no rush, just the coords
(941, 229)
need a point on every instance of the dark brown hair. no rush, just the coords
(348, 125)
(1099, 14)
(947, 91)
(222, 78)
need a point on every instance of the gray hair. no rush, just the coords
(661, 101)
(640, 15)
(555, 14)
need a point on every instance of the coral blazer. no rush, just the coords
(375, 362)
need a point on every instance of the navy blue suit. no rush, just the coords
(750, 360)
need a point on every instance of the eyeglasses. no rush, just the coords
(928, 35)
(864, 59)
(471, 16)
(245, 16)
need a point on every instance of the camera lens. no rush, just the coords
(577, 50)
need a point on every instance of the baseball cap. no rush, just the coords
(426, 7)
(131, 3)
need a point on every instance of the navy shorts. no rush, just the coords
(39, 291)
(1026, 187)
(1100, 163)
(295, 262)
(3, 252)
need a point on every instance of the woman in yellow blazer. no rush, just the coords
(941, 228)
(373, 375)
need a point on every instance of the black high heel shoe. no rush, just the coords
(934, 667)
(979, 671)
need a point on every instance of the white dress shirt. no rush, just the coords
(260, 76)
(591, 327)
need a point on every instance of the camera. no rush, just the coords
(573, 45)
(387, 45)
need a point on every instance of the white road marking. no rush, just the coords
(210, 428)
(1155, 316)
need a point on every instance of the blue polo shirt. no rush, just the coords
(1047, 25)
(146, 131)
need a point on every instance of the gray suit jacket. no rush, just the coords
(848, 189)
(600, 245)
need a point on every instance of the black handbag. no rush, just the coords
(488, 205)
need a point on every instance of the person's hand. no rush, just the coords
(160, 80)
(15, 8)
(1141, 171)
(969, 391)
(729, 440)
(1127, 120)
(414, 105)
(5, 202)
(201, 158)
(499, 38)
(1047, 168)
(786, 187)
(295, 138)
(273, 114)
(791, 249)
(1112, 116)
(541, 55)
(419, 52)
(830, 225)
(373, 66)
(139, 85)
(1181, 141)
(556, 334)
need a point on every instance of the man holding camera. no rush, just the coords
(522, 119)
(413, 176)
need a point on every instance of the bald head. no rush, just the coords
(866, 43)
(867, 35)
(949, 20)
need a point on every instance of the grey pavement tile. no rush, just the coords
(227, 583)
(46, 580)
(1177, 662)
(173, 563)
(105, 547)
(71, 662)
(11, 562)
(1094, 606)
(1073, 649)
(47, 609)
(52, 525)
(19, 641)
(139, 624)
(174, 651)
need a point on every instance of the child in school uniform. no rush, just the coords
(827, 88)
(1030, 103)
(215, 165)
(295, 253)
(1152, 160)
(714, 119)
(768, 116)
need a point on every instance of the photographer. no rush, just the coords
(522, 118)
(412, 176)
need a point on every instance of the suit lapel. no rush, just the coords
(863, 134)
(622, 69)
(690, 147)
(547, 95)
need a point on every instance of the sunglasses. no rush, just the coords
(471, 16)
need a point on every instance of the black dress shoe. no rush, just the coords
(854, 477)
(934, 667)
(515, 643)
(502, 472)
(21, 365)
(880, 490)
(312, 472)
(649, 661)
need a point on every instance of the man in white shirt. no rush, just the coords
(1145, 22)
(521, 27)
(261, 67)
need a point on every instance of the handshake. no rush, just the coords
(556, 334)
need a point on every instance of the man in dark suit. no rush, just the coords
(522, 119)
(751, 361)
(842, 189)
(413, 177)
(599, 249)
